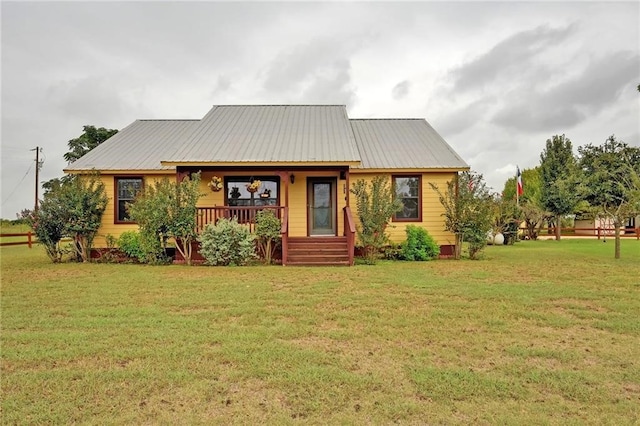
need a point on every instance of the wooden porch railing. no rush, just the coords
(245, 215)
(349, 232)
(284, 233)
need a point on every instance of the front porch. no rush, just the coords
(295, 250)
(311, 202)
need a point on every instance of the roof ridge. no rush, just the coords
(280, 105)
(169, 119)
(397, 119)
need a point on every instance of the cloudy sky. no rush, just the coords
(495, 79)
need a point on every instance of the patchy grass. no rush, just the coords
(542, 332)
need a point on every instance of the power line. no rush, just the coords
(18, 185)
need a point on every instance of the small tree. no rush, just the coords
(71, 207)
(85, 201)
(48, 225)
(268, 228)
(167, 209)
(375, 206)
(182, 213)
(468, 211)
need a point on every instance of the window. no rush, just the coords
(408, 191)
(239, 196)
(126, 191)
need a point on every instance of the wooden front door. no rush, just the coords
(321, 202)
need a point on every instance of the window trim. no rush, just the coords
(420, 207)
(116, 199)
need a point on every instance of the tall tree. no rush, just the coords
(612, 182)
(560, 179)
(89, 139)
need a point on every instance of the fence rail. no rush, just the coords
(30, 241)
(598, 232)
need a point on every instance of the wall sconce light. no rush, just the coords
(292, 178)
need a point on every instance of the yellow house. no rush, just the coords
(305, 157)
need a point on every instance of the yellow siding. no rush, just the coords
(298, 202)
(432, 210)
(108, 227)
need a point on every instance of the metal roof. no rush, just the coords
(270, 134)
(402, 144)
(142, 145)
(273, 134)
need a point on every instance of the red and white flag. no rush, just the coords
(519, 180)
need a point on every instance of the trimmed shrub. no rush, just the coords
(419, 245)
(227, 243)
(129, 242)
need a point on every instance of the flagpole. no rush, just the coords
(517, 191)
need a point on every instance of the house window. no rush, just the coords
(126, 191)
(408, 191)
(239, 196)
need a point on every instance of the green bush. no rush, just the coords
(227, 243)
(419, 245)
(130, 243)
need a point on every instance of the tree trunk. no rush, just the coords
(558, 229)
(617, 234)
(458, 247)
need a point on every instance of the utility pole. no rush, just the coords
(37, 150)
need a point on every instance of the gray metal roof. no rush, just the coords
(402, 144)
(270, 134)
(273, 134)
(142, 145)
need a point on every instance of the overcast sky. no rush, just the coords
(494, 79)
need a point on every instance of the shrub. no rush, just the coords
(227, 243)
(268, 233)
(375, 205)
(130, 243)
(419, 245)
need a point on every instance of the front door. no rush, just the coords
(321, 199)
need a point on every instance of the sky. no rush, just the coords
(495, 79)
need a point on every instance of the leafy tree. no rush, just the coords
(375, 205)
(612, 184)
(167, 209)
(85, 201)
(73, 207)
(89, 139)
(268, 229)
(468, 211)
(560, 179)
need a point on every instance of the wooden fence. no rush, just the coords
(598, 232)
(30, 240)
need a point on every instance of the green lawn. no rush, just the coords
(541, 332)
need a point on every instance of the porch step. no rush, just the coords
(313, 251)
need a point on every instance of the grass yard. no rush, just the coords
(542, 332)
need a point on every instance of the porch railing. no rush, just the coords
(349, 232)
(245, 215)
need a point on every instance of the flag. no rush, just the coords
(519, 180)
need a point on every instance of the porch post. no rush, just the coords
(346, 178)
